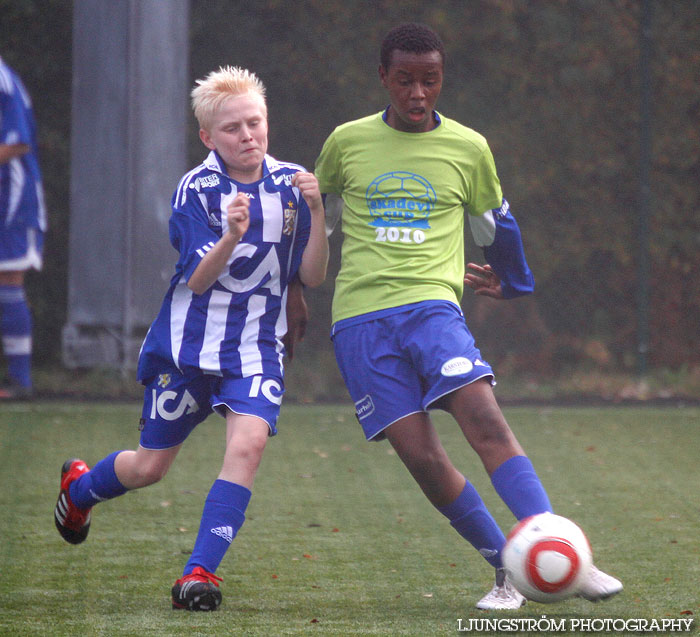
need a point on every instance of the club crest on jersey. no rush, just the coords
(400, 199)
(290, 215)
(164, 380)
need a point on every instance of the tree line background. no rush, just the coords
(554, 85)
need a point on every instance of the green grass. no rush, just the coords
(338, 540)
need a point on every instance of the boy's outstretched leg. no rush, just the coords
(82, 488)
(512, 474)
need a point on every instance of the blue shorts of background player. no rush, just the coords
(175, 404)
(398, 362)
(21, 249)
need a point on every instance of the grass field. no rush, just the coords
(338, 540)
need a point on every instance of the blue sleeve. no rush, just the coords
(14, 125)
(506, 255)
(190, 233)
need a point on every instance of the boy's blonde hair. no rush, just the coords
(212, 91)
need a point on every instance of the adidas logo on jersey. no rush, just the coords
(224, 532)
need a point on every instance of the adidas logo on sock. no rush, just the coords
(97, 497)
(224, 532)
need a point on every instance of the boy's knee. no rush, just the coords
(150, 473)
(488, 426)
(254, 445)
(424, 460)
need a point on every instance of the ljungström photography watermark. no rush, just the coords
(546, 624)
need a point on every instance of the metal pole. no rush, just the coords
(645, 157)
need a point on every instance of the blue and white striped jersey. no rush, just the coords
(21, 190)
(235, 327)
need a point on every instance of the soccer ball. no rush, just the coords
(547, 557)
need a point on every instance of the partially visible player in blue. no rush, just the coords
(244, 225)
(22, 227)
(407, 176)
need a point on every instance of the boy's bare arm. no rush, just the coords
(314, 261)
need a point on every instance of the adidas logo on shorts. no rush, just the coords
(224, 532)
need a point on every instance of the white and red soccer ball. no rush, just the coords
(547, 557)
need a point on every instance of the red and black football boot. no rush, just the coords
(72, 523)
(197, 591)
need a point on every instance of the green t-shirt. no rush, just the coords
(404, 197)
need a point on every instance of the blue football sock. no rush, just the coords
(473, 521)
(16, 331)
(520, 488)
(223, 516)
(98, 484)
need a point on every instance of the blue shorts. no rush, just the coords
(400, 362)
(175, 404)
(21, 248)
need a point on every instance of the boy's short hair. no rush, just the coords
(229, 81)
(411, 37)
